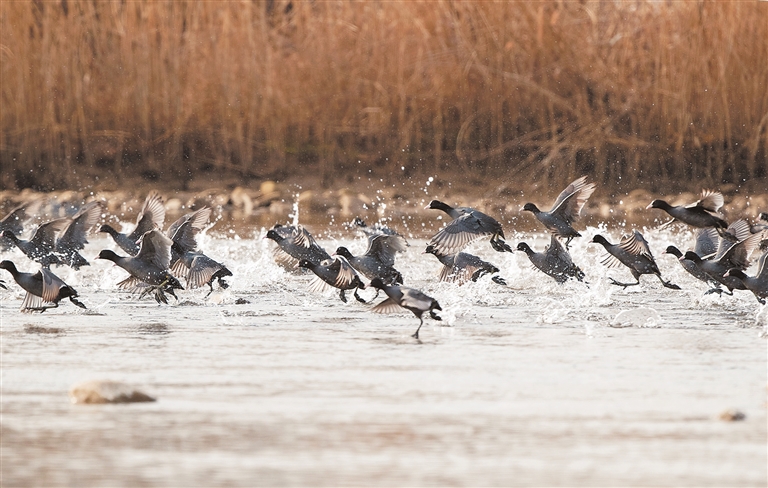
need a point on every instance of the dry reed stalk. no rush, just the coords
(634, 93)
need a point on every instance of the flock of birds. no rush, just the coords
(156, 260)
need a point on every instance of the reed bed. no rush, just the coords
(632, 93)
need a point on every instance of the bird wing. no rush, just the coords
(636, 245)
(151, 216)
(51, 285)
(611, 261)
(132, 285)
(706, 241)
(345, 273)
(317, 285)
(571, 200)
(16, 217)
(180, 268)
(155, 248)
(762, 269)
(736, 232)
(388, 306)
(458, 234)
(31, 302)
(737, 256)
(183, 231)
(201, 271)
(45, 235)
(710, 201)
(414, 298)
(284, 259)
(74, 234)
(384, 247)
(302, 237)
(556, 253)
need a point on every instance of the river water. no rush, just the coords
(530, 384)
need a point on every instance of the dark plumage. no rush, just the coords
(41, 287)
(376, 229)
(634, 253)
(379, 259)
(14, 222)
(294, 244)
(736, 244)
(183, 232)
(463, 267)
(402, 297)
(42, 246)
(467, 226)
(73, 238)
(706, 244)
(757, 284)
(201, 270)
(555, 261)
(335, 273)
(151, 217)
(698, 214)
(566, 209)
(149, 268)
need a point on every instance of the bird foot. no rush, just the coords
(499, 280)
(78, 303)
(358, 297)
(623, 285)
(669, 285)
(434, 315)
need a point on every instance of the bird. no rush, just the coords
(566, 209)
(375, 229)
(402, 297)
(468, 225)
(73, 238)
(700, 213)
(197, 268)
(41, 287)
(334, 273)
(149, 268)
(555, 261)
(14, 221)
(463, 267)
(378, 261)
(151, 216)
(706, 240)
(294, 244)
(736, 244)
(757, 284)
(41, 247)
(634, 253)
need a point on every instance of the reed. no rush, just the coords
(633, 93)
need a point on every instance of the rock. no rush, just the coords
(95, 392)
(732, 415)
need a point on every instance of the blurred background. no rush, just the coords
(667, 95)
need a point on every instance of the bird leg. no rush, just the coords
(667, 284)
(415, 335)
(625, 285)
(499, 245)
(719, 291)
(44, 308)
(223, 284)
(499, 280)
(342, 296)
(77, 302)
(568, 247)
(358, 296)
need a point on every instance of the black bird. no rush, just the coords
(757, 284)
(294, 244)
(402, 297)
(463, 267)
(42, 246)
(73, 238)
(375, 229)
(634, 253)
(698, 214)
(41, 287)
(151, 217)
(555, 261)
(149, 268)
(467, 226)
(204, 270)
(729, 255)
(379, 259)
(706, 244)
(14, 221)
(335, 273)
(566, 209)
(183, 232)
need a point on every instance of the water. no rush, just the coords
(521, 385)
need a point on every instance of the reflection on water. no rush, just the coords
(528, 384)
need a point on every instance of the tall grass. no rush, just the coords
(631, 92)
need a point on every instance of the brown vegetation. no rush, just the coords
(631, 93)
